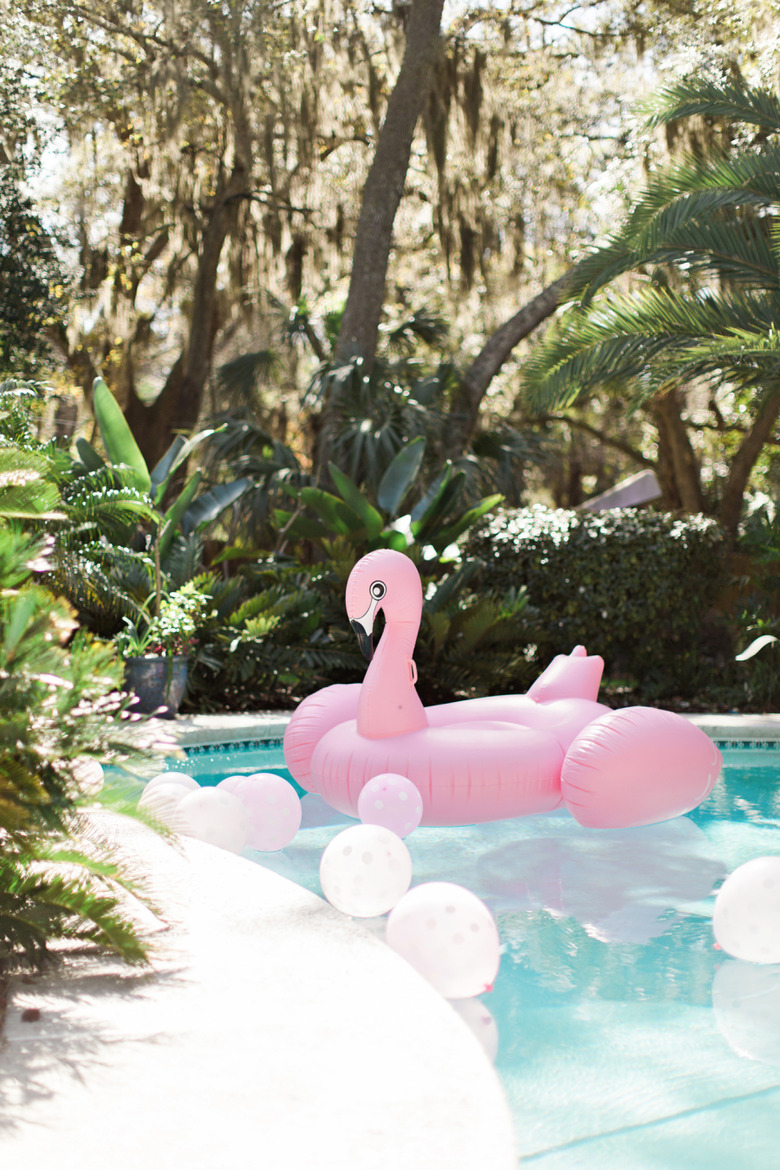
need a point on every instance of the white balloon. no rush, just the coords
(88, 774)
(272, 806)
(746, 919)
(215, 817)
(162, 802)
(449, 936)
(365, 870)
(173, 778)
(390, 800)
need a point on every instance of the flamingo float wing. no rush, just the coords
(313, 718)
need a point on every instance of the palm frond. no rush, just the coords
(114, 513)
(422, 325)
(653, 338)
(104, 582)
(26, 490)
(240, 379)
(38, 904)
(694, 197)
(736, 103)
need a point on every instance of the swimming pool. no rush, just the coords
(624, 1037)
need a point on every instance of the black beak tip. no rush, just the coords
(365, 641)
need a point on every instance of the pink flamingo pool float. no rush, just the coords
(495, 757)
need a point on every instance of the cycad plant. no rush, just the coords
(473, 640)
(272, 640)
(704, 241)
(60, 702)
(373, 414)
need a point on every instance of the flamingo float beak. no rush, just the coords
(364, 625)
(365, 636)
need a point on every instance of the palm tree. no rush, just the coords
(704, 238)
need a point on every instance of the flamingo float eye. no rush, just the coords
(377, 590)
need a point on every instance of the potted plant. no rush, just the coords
(156, 649)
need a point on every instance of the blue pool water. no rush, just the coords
(625, 1039)
(214, 762)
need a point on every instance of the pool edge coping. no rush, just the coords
(202, 730)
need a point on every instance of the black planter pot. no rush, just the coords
(159, 683)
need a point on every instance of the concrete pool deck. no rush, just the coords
(268, 1026)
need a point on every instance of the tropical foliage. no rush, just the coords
(129, 528)
(33, 284)
(403, 514)
(60, 705)
(31, 280)
(704, 239)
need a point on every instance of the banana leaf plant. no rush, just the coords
(403, 515)
(128, 518)
(190, 508)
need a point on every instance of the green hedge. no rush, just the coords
(637, 587)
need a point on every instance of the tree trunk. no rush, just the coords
(381, 196)
(744, 461)
(178, 404)
(678, 471)
(123, 311)
(78, 360)
(385, 185)
(464, 414)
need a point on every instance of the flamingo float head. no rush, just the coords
(385, 580)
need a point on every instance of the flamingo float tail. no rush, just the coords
(638, 766)
(569, 676)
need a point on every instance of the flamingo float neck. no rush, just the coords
(388, 704)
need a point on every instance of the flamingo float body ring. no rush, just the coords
(495, 757)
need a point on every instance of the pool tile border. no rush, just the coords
(198, 734)
(751, 745)
(224, 746)
(231, 745)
